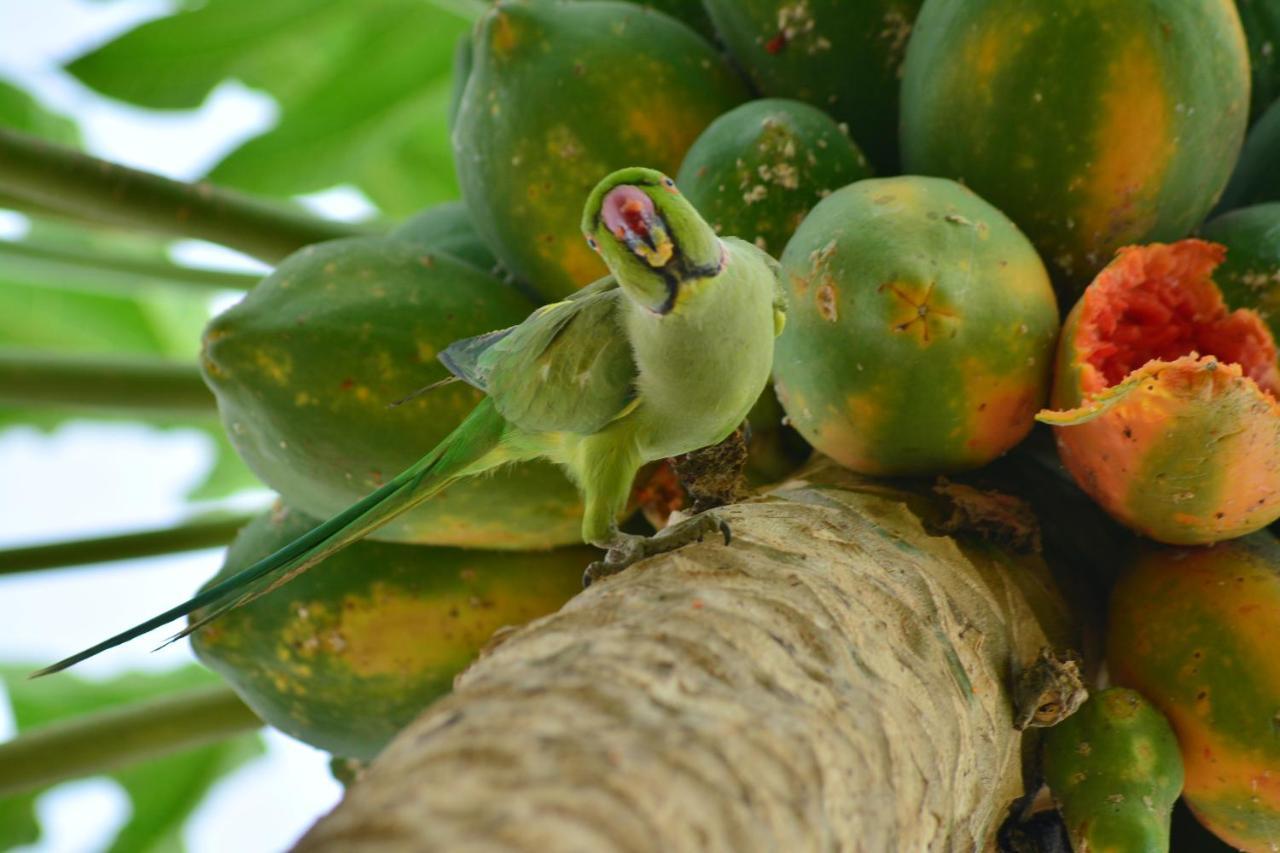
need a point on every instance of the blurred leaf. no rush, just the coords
(20, 111)
(163, 791)
(71, 316)
(363, 89)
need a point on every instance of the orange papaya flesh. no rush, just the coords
(1193, 629)
(1165, 402)
(351, 650)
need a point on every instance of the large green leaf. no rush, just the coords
(363, 88)
(163, 791)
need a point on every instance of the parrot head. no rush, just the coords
(650, 236)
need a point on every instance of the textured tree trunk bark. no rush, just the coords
(836, 679)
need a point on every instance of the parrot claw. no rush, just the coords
(628, 549)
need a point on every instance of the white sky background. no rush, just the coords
(90, 478)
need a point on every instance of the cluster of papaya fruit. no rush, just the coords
(1024, 144)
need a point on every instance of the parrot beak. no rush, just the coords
(630, 215)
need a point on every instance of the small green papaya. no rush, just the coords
(842, 57)
(1257, 174)
(560, 94)
(757, 170)
(1250, 276)
(305, 366)
(347, 653)
(1261, 20)
(691, 12)
(448, 228)
(1115, 772)
(920, 328)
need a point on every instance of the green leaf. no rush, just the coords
(20, 111)
(363, 90)
(70, 315)
(163, 792)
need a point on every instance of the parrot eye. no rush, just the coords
(591, 241)
(669, 184)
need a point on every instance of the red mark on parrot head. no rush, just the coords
(627, 212)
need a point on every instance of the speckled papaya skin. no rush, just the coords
(305, 366)
(843, 57)
(1183, 450)
(761, 167)
(1092, 124)
(690, 12)
(1115, 773)
(354, 648)
(1250, 276)
(448, 228)
(920, 328)
(1194, 630)
(560, 95)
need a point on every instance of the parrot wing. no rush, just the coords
(567, 368)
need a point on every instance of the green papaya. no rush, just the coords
(305, 366)
(1115, 772)
(448, 228)
(691, 12)
(757, 170)
(1250, 276)
(842, 57)
(920, 328)
(347, 653)
(560, 95)
(1261, 20)
(1093, 124)
(1257, 174)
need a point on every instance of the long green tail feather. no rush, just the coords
(457, 455)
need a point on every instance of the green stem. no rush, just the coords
(102, 383)
(190, 535)
(118, 737)
(53, 177)
(69, 266)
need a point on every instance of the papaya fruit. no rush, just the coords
(448, 228)
(1257, 174)
(1115, 772)
(1250, 276)
(757, 170)
(305, 366)
(1261, 20)
(347, 653)
(690, 12)
(1092, 125)
(842, 57)
(920, 328)
(1193, 630)
(1164, 402)
(560, 95)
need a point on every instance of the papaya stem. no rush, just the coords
(190, 535)
(53, 177)
(72, 266)
(102, 383)
(118, 737)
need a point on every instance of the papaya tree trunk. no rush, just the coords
(837, 678)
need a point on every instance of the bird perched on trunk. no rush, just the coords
(663, 357)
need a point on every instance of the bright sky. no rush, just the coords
(91, 478)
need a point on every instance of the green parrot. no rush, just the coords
(663, 357)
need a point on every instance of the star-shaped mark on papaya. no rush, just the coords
(918, 310)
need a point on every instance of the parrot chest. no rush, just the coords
(702, 367)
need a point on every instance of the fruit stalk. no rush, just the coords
(116, 738)
(51, 177)
(188, 536)
(133, 386)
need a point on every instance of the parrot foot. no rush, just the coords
(627, 548)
